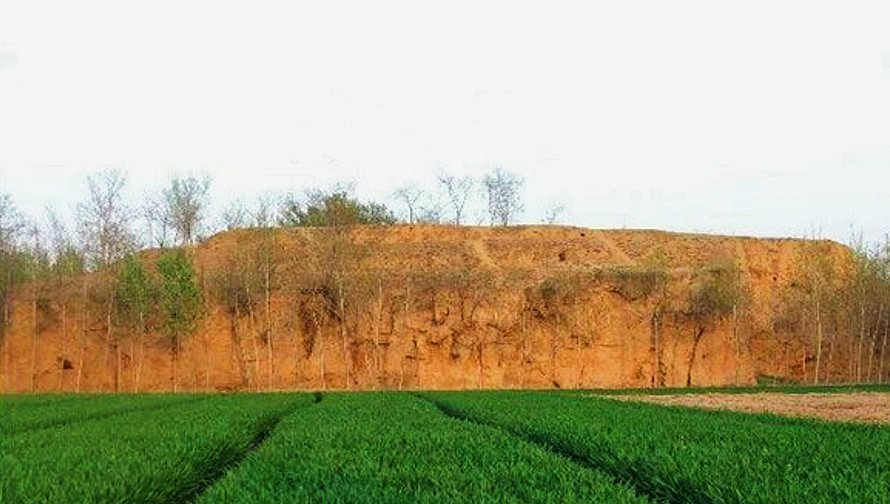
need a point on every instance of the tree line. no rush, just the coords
(840, 313)
(135, 298)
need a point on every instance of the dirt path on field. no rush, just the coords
(616, 251)
(862, 407)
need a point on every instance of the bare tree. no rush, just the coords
(236, 289)
(430, 213)
(12, 224)
(264, 214)
(504, 203)
(410, 195)
(885, 280)
(815, 280)
(235, 216)
(458, 190)
(185, 202)
(67, 262)
(66, 258)
(37, 264)
(103, 220)
(868, 307)
(157, 220)
(331, 273)
(553, 213)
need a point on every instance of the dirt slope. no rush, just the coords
(437, 307)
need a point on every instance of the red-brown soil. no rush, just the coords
(863, 407)
(436, 307)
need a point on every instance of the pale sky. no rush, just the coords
(765, 118)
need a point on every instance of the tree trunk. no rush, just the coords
(405, 311)
(173, 370)
(7, 361)
(341, 304)
(859, 342)
(118, 382)
(176, 349)
(653, 326)
(826, 348)
(236, 348)
(856, 332)
(269, 350)
(378, 320)
(883, 354)
(481, 369)
(256, 355)
(64, 345)
(554, 353)
(111, 339)
(207, 364)
(698, 337)
(34, 341)
(818, 342)
(874, 342)
(804, 358)
(7, 302)
(83, 336)
(132, 365)
(137, 377)
(255, 379)
(735, 342)
(319, 340)
(140, 361)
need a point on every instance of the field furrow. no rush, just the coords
(15, 418)
(638, 476)
(393, 447)
(157, 456)
(492, 446)
(681, 455)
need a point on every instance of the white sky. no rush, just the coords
(762, 117)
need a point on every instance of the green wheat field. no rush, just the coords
(492, 446)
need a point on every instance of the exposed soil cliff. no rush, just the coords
(448, 307)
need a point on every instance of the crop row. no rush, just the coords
(22, 415)
(148, 455)
(685, 455)
(457, 447)
(390, 447)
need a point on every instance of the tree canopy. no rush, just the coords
(335, 208)
(180, 298)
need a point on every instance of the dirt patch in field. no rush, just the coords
(863, 407)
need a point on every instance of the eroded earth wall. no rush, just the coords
(442, 307)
